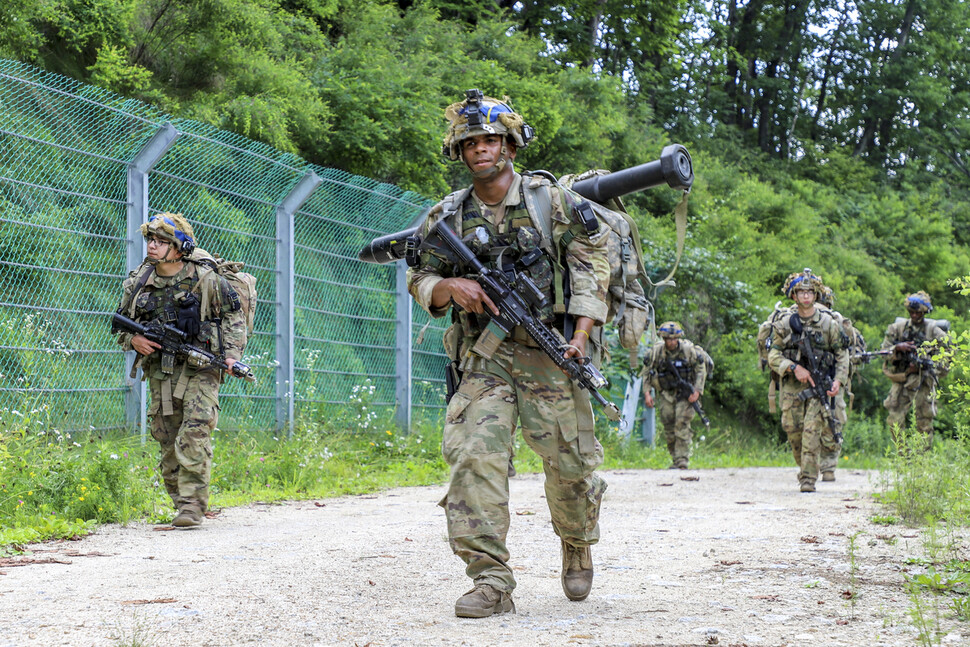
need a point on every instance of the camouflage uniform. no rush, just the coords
(857, 344)
(676, 413)
(804, 421)
(916, 390)
(184, 405)
(510, 380)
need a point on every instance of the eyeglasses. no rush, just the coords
(157, 241)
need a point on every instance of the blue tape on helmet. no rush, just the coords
(919, 301)
(179, 234)
(490, 111)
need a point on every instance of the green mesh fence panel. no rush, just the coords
(346, 314)
(64, 150)
(65, 214)
(228, 188)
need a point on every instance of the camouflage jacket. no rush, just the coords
(584, 256)
(827, 337)
(895, 365)
(162, 296)
(688, 358)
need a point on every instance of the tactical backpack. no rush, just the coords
(704, 356)
(627, 305)
(944, 324)
(764, 333)
(242, 283)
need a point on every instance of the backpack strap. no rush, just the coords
(538, 202)
(128, 306)
(204, 267)
(680, 221)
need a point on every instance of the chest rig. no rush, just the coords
(512, 247)
(908, 333)
(824, 357)
(174, 304)
(667, 378)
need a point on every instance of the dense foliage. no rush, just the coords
(824, 134)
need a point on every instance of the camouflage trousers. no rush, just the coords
(922, 401)
(184, 438)
(676, 416)
(519, 384)
(807, 427)
(829, 459)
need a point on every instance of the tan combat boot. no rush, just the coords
(483, 601)
(807, 486)
(828, 476)
(577, 571)
(188, 518)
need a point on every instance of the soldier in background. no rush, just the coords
(806, 420)
(829, 459)
(669, 361)
(184, 405)
(915, 366)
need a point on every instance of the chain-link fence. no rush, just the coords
(81, 169)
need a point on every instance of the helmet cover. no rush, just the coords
(803, 280)
(670, 330)
(481, 115)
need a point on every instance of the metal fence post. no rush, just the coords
(403, 355)
(648, 433)
(285, 321)
(138, 168)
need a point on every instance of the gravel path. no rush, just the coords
(727, 556)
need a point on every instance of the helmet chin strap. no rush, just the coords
(495, 169)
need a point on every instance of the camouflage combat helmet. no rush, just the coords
(919, 302)
(670, 330)
(803, 280)
(481, 115)
(172, 227)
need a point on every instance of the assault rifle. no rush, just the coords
(173, 342)
(912, 357)
(869, 356)
(684, 390)
(823, 383)
(515, 300)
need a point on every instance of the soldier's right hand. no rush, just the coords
(803, 375)
(648, 400)
(468, 294)
(905, 347)
(143, 345)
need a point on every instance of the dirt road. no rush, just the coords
(726, 557)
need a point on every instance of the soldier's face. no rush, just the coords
(916, 315)
(671, 343)
(160, 249)
(805, 298)
(481, 152)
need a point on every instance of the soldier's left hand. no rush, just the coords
(834, 391)
(229, 364)
(694, 396)
(577, 346)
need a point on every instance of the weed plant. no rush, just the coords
(922, 485)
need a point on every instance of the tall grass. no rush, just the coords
(926, 487)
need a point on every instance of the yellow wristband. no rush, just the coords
(583, 331)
